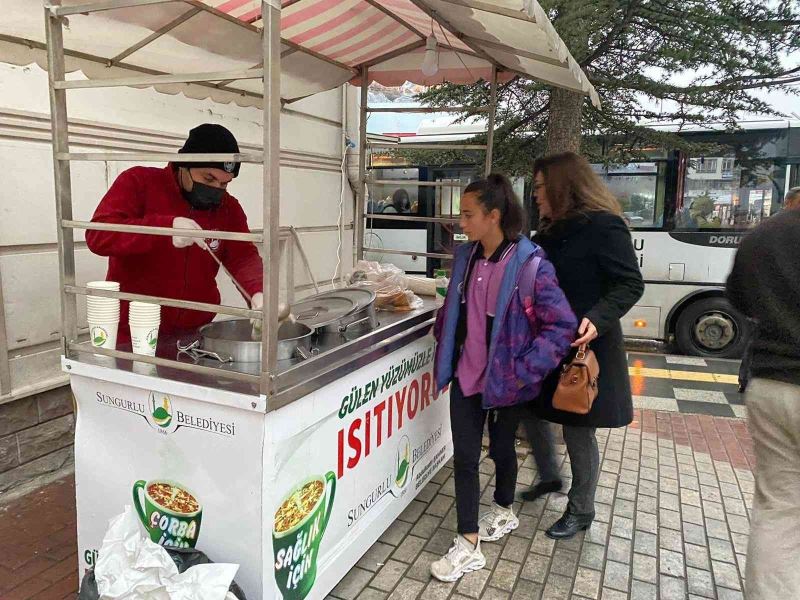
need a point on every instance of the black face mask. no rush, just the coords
(202, 196)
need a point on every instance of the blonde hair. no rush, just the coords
(573, 188)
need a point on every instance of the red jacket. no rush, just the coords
(149, 264)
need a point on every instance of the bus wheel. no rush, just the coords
(712, 327)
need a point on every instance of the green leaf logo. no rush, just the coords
(401, 473)
(99, 337)
(403, 462)
(162, 415)
(152, 339)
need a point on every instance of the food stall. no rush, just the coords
(290, 463)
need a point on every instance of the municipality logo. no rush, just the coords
(160, 410)
(403, 463)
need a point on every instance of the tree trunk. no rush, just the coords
(564, 121)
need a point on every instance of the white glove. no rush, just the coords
(257, 304)
(185, 242)
(258, 301)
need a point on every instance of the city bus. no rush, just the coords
(687, 214)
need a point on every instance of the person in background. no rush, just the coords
(505, 325)
(399, 203)
(590, 246)
(186, 195)
(765, 285)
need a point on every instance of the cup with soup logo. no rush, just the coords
(171, 513)
(300, 522)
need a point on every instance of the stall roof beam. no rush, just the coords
(85, 9)
(104, 61)
(160, 79)
(428, 109)
(428, 146)
(319, 56)
(504, 48)
(393, 16)
(491, 8)
(445, 24)
(256, 157)
(156, 34)
(394, 54)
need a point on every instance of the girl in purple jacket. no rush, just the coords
(505, 325)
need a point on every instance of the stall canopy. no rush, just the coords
(325, 43)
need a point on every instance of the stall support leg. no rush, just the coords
(490, 130)
(5, 366)
(361, 198)
(271, 180)
(63, 185)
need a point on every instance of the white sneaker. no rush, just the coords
(460, 559)
(496, 523)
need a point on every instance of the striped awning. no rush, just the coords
(325, 43)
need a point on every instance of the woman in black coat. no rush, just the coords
(590, 246)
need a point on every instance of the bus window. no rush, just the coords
(639, 187)
(722, 193)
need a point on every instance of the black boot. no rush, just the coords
(540, 489)
(568, 525)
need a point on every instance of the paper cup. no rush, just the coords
(144, 338)
(103, 333)
(104, 285)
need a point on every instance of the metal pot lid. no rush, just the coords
(362, 297)
(322, 310)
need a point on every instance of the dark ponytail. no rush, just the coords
(497, 192)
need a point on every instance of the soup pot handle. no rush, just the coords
(138, 490)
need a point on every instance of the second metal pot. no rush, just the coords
(234, 338)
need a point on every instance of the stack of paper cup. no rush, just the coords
(103, 315)
(144, 320)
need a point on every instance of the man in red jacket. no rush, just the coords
(186, 195)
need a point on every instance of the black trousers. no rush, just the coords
(584, 458)
(467, 419)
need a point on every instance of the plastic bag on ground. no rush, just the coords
(132, 567)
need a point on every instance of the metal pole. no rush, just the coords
(492, 112)
(63, 184)
(5, 367)
(361, 197)
(271, 40)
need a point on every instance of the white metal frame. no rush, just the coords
(269, 159)
(269, 69)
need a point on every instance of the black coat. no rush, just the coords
(598, 271)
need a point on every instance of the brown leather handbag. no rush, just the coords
(577, 384)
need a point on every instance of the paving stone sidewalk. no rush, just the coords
(672, 523)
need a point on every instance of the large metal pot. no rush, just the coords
(233, 338)
(328, 312)
(363, 318)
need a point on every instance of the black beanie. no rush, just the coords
(210, 138)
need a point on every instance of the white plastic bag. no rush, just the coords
(132, 567)
(390, 284)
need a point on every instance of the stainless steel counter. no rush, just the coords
(339, 355)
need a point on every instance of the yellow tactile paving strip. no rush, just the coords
(682, 375)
